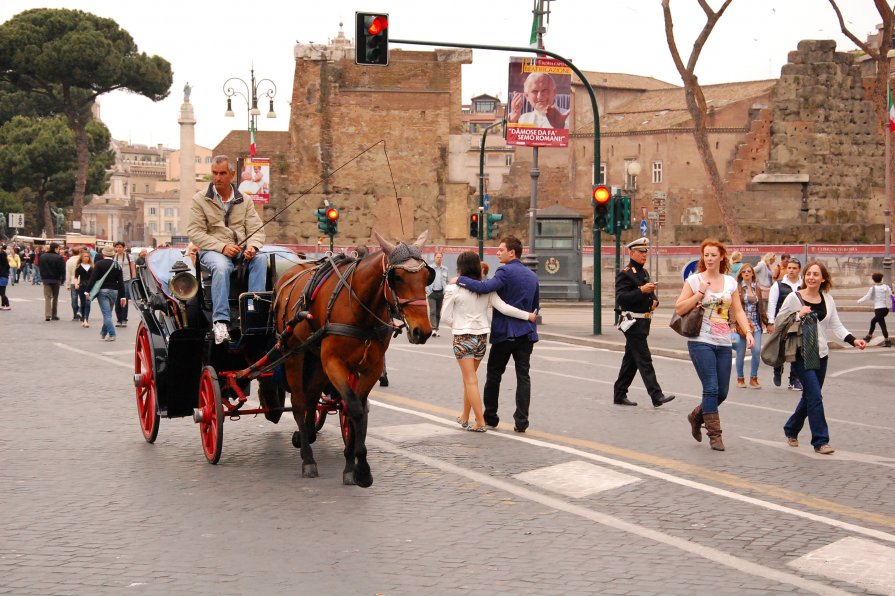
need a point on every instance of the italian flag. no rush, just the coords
(252, 141)
(533, 41)
(891, 108)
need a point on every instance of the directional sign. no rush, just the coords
(17, 220)
(644, 228)
(487, 202)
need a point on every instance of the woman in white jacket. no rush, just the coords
(814, 298)
(880, 294)
(466, 313)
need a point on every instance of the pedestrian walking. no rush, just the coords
(27, 264)
(516, 285)
(716, 293)
(128, 271)
(780, 267)
(764, 274)
(815, 308)
(35, 267)
(782, 288)
(107, 274)
(4, 278)
(15, 265)
(881, 295)
(52, 273)
(635, 295)
(467, 315)
(736, 263)
(750, 298)
(81, 283)
(70, 264)
(435, 292)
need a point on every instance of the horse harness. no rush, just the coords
(406, 257)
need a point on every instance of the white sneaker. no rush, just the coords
(435, 333)
(221, 332)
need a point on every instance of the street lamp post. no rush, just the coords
(260, 88)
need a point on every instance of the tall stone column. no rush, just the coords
(187, 123)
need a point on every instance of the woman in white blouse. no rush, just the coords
(814, 298)
(467, 315)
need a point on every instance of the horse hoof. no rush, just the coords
(348, 478)
(364, 481)
(296, 440)
(309, 470)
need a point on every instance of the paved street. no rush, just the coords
(594, 499)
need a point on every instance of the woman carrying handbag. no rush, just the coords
(710, 351)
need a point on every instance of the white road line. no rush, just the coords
(92, 355)
(840, 455)
(688, 546)
(720, 492)
(857, 368)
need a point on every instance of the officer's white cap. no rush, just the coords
(640, 243)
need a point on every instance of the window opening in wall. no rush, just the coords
(509, 160)
(630, 181)
(657, 172)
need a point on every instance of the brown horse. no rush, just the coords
(349, 331)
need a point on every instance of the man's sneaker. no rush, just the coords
(778, 374)
(435, 333)
(110, 338)
(796, 385)
(221, 332)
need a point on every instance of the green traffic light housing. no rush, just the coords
(492, 229)
(371, 38)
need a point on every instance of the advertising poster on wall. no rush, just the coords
(253, 178)
(540, 96)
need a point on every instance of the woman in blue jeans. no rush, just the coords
(112, 290)
(814, 298)
(714, 291)
(750, 298)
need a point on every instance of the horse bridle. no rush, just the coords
(397, 304)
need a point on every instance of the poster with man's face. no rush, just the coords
(254, 178)
(540, 102)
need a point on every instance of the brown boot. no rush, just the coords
(695, 420)
(753, 382)
(741, 382)
(713, 430)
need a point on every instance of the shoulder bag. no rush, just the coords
(690, 324)
(94, 291)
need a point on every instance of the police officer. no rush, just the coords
(636, 297)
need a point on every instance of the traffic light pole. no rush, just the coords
(593, 103)
(482, 216)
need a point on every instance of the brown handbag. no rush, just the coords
(689, 324)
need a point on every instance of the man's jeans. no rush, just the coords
(712, 365)
(811, 406)
(107, 300)
(435, 299)
(74, 301)
(221, 266)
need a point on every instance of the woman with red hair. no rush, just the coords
(711, 289)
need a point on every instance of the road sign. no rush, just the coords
(16, 220)
(644, 228)
(487, 202)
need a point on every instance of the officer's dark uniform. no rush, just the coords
(637, 355)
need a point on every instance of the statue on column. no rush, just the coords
(186, 92)
(58, 219)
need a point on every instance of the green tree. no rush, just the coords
(38, 164)
(70, 58)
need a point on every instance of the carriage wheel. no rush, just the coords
(144, 381)
(211, 424)
(320, 414)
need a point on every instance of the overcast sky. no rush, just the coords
(207, 42)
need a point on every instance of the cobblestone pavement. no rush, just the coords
(594, 499)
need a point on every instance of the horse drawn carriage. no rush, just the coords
(319, 332)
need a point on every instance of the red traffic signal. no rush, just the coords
(474, 225)
(601, 195)
(332, 214)
(378, 25)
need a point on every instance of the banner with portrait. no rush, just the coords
(253, 178)
(540, 102)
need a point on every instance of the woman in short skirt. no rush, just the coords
(467, 315)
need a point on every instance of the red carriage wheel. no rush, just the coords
(320, 413)
(210, 415)
(345, 423)
(144, 382)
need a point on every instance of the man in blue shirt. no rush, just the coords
(435, 293)
(517, 285)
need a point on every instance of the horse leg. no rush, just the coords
(305, 431)
(357, 470)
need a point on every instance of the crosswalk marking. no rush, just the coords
(807, 451)
(413, 432)
(864, 563)
(576, 479)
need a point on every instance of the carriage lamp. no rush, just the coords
(183, 285)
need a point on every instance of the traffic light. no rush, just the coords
(474, 225)
(602, 202)
(322, 222)
(371, 39)
(332, 221)
(624, 215)
(493, 225)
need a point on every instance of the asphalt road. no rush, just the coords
(594, 499)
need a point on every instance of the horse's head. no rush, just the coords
(407, 275)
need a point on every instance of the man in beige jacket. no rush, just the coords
(221, 219)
